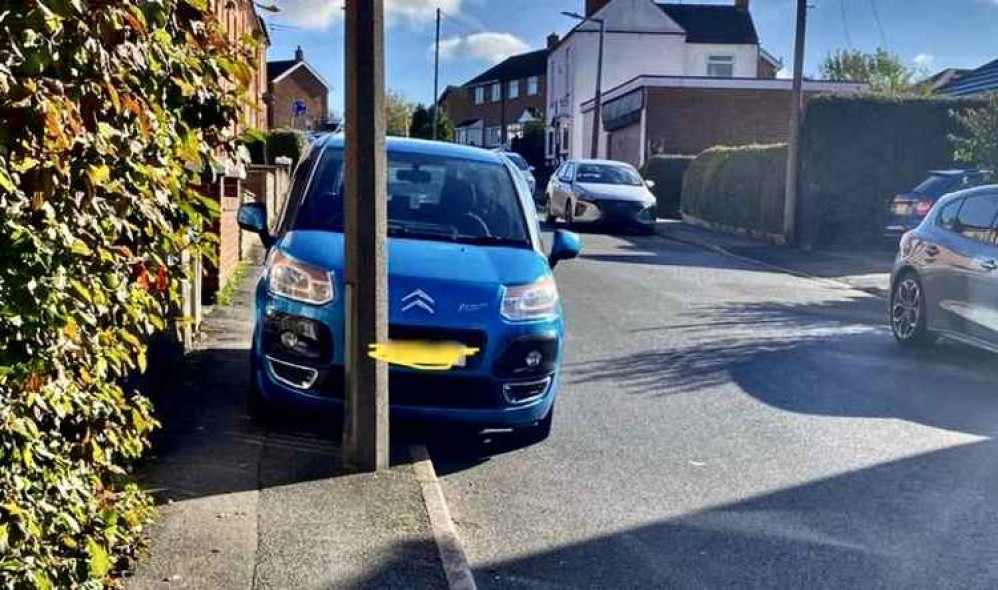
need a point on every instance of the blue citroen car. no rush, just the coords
(465, 266)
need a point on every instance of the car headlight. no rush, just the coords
(535, 301)
(299, 281)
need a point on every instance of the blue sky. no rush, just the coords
(931, 34)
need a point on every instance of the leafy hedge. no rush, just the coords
(741, 187)
(290, 143)
(108, 111)
(667, 173)
(858, 152)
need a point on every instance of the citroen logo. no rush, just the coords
(418, 298)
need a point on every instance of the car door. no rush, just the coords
(937, 254)
(564, 188)
(980, 269)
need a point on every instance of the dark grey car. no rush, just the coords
(945, 278)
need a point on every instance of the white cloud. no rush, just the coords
(321, 14)
(485, 46)
(924, 61)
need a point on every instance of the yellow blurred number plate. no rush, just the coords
(427, 356)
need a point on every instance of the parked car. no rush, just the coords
(526, 169)
(601, 191)
(945, 278)
(907, 210)
(466, 268)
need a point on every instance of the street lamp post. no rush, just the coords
(597, 113)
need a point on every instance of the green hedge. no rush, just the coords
(738, 186)
(290, 143)
(858, 152)
(108, 113)
(667, 173)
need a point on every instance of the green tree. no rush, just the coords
(398, 112)
(111, 112)
(884, 71)
(976, 143)
(530, 145)
(422, 124)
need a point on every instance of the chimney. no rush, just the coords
(593, 6)
(553, 40)
(299, 54)
(742, 5)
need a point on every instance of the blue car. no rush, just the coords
(907, 210)
(465, 266)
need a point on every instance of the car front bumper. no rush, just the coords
(611, 212)
(327, 396)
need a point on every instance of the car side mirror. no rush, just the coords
(567, 245)
(531, 168)
(650, 183)
(252, 217)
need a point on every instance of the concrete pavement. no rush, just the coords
(867, 270)
(725, 425)
(244, 507)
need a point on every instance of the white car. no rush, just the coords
(601, 191)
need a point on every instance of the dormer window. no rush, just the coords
(721, 66)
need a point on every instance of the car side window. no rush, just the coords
(567, 173)
(976, 218)
(947, 215)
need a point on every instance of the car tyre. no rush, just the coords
(261, 412)
(570, 214)
(536, 433)
(549, 215)
(907, 313)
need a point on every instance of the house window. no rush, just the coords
(492, 136)
(514, 130)
(549, 144)
(566, 138)
(721, 66)
(496, 92)
(479, 94)
(532, 86)
(514, 89)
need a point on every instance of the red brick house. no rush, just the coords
(297, 95)
(490, 109)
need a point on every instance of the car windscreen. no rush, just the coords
(937, 185)
(429, 197)
(518, 160)
(606, 174)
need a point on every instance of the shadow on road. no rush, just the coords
(922, 522)
(801, 359)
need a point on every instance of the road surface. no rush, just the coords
(723, 425)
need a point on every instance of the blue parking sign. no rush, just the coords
(298, 107)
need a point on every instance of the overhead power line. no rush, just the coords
(845, 24)
(880, 26)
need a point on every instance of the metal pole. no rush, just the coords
(436, 75)
(365, 412)
(793, 144)
(597, 115)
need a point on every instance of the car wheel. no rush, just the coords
(570, 213)
(536, 433)
(261, 412)
(908, 312)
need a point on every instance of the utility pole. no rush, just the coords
(598, 114)
(436, 75)
(793, 145)
(365, 412)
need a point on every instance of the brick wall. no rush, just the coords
(690, 120)
(298, 85)
(227, 192)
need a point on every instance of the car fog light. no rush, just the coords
(289, 339)
(533, 358)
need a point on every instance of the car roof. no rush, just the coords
(955, 172)
(421, 146)
(601, 162)
(989, 189)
